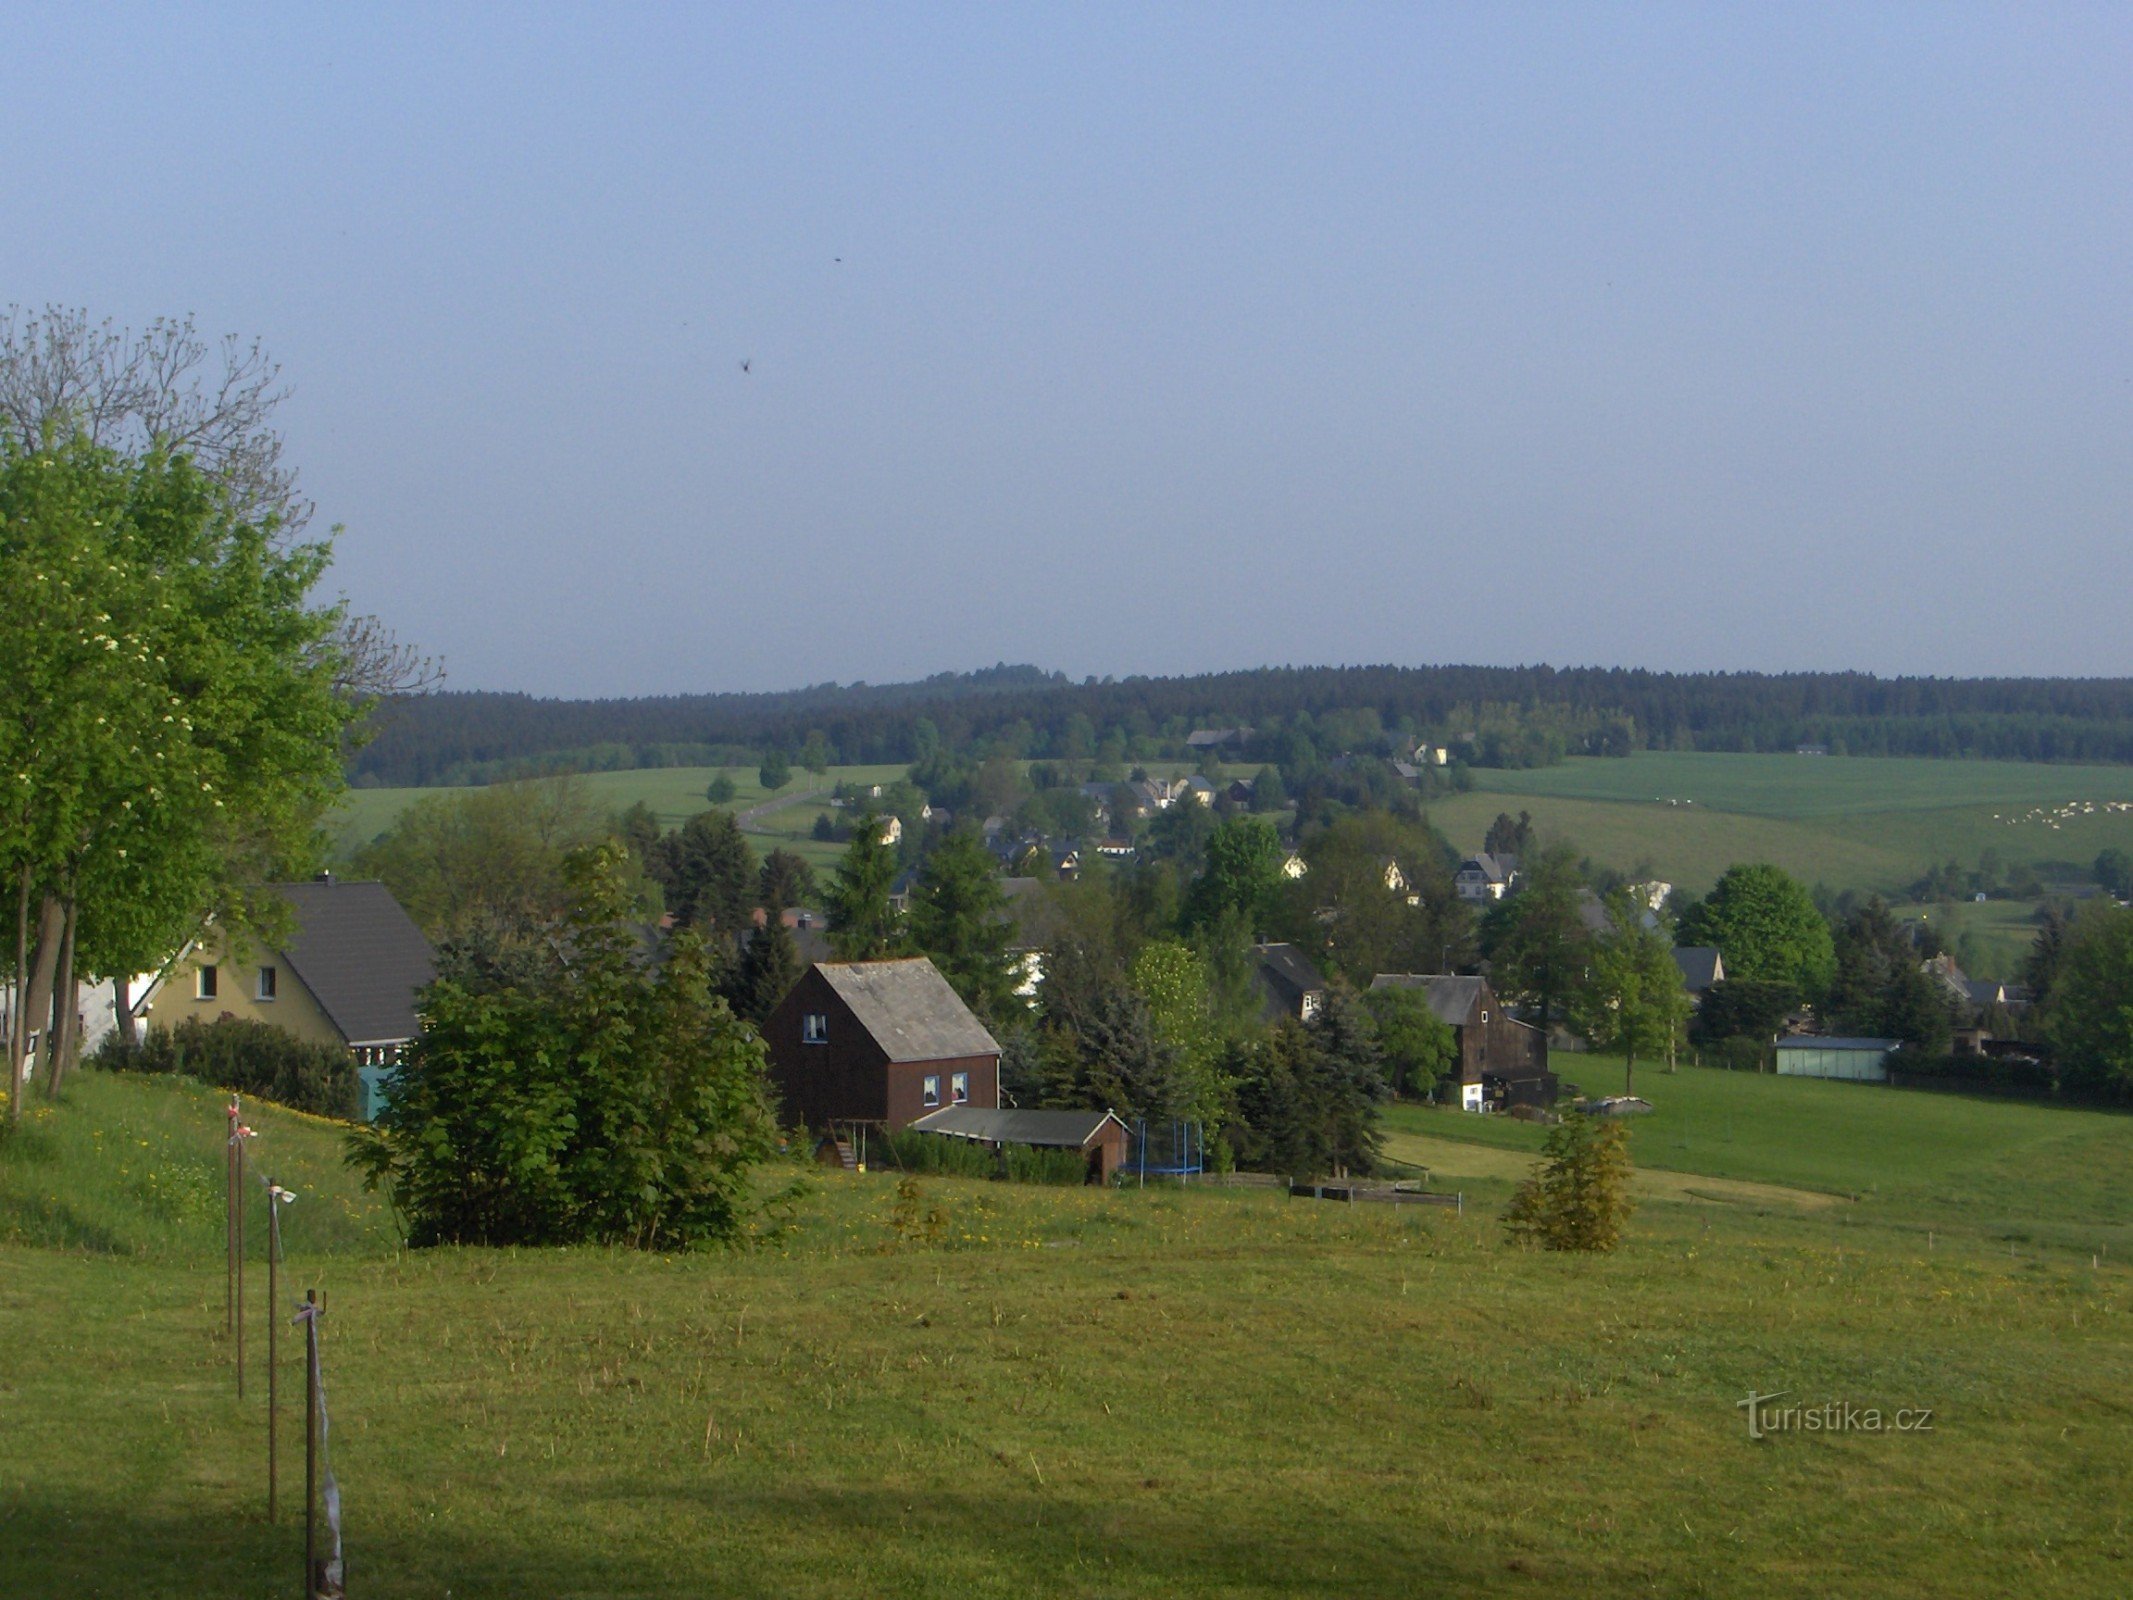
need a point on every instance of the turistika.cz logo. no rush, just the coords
(1766, 1418)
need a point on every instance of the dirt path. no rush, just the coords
(746, 820)
(1449, 1159)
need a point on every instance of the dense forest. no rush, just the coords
(1488, 716)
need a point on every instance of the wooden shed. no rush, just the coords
(1098, 1135)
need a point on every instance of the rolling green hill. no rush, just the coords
(1848, 822)
(1115, 1394)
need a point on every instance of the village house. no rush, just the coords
(1701, 966)
(347, 975)
(1502, 1062)
(1485, 876)
(1288, 984)
(880, 1043)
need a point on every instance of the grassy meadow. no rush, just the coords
(1864, 822)
(1132, 1393)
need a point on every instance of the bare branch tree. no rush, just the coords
(62, 372)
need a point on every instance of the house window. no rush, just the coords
(933, 1089)
(815, 1028)
(1484, 1016)
(266, 983)
(203, 983)
(959, 1087)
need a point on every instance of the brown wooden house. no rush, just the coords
(1502, 1062)
(879, 1042)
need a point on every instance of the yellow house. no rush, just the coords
(348, 975)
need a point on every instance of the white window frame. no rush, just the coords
(267, 989)
(207, 982)
(814, 1027)
(929, 1091)
(959, 1089)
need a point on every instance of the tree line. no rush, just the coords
(1491, 716)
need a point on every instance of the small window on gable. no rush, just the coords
(933, 1089)
(1484, 1016)
(959, 1087)
(815, 1028)
(204, 983)
(266, 983)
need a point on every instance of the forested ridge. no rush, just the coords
(1493, 716)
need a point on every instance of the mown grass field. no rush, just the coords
(1113, 1394)
(1870, 823)
(675, 793)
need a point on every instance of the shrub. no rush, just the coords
(936, 1153)
(595, 1102)
(1578, 1198)
(253, 1058)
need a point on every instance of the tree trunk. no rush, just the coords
(122, 1013)
(18, 1031)
(64, 1041)
(1629, 1073)
(36, 999)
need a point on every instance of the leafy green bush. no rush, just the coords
(592, 1102)
(253, 1058)
(1979, 1074)
(915, 1151)
(1031, 1164)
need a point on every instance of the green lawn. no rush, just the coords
(1971, 1167)
(1125, 1394)
(1848, 822)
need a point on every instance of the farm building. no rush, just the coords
(879, 1042)
(1098, 1135)
(1502, 1062)
(1810, 1055)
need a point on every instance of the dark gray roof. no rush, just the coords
(1819, 1041)
(1699, 964)
(1065, 1130)
(360, 955)
(909, 1009)
(1284, 969)
(1495, 869)
(1454, 1000)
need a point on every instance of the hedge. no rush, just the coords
(250, 1057)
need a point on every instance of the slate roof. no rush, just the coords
(1286, 967)
(1493, 869)
(1455, 1001)
(1700, 966)
(360, 955)
(1062, 1130)
(909, 1009)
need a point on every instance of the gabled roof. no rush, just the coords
(909, 1009)
(1700, 966)
(1493, 869)
(1285, 965)
(1062, 1130)
(360, 955)
(1455, 1001)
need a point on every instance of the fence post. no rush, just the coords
(311, 1444)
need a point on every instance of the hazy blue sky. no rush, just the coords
(1695, 337)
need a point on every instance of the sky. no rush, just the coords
(647, 350)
